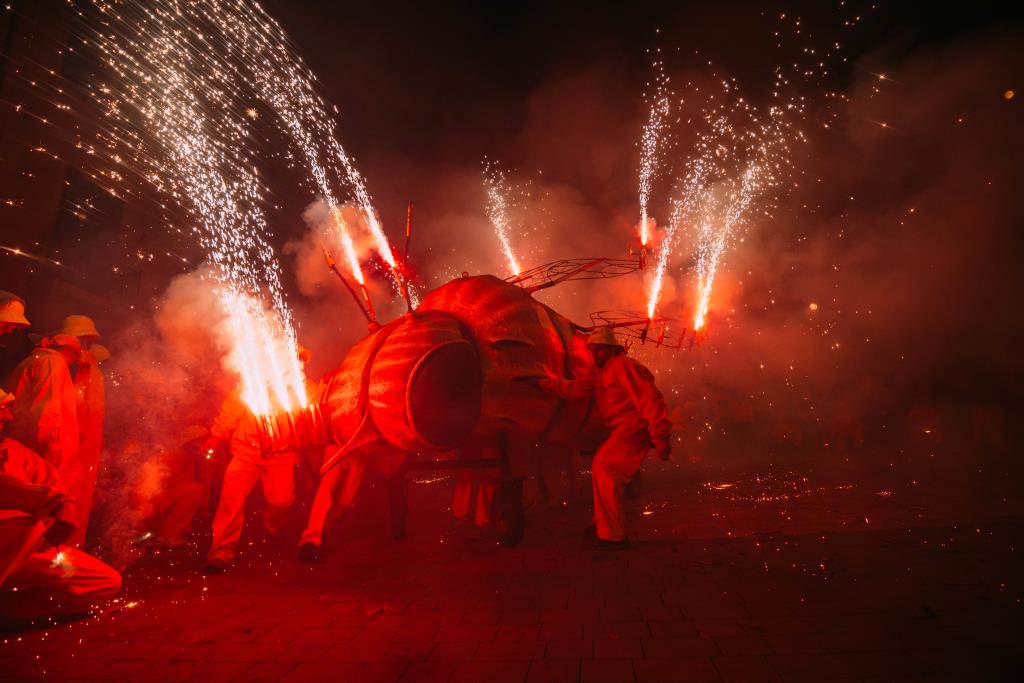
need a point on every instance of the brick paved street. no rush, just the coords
(804, 576)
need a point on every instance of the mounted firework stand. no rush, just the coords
(556, 272)
(637, 328)
(282, 432)
(365, 304)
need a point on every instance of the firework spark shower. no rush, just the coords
(499, 214)
(171, 106)
(652, 143)
(185, 74)
(739, 157)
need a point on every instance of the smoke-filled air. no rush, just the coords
(356, 332)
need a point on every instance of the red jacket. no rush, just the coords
(45, 414)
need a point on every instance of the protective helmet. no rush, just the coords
(12, 309)
(80, 326)
(100, 353)
(5, 397)
(603, 336)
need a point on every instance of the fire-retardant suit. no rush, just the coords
(248, 465)
(90, 406)
(37, 577)
(633, 410)
(336, 489)
(45, 414)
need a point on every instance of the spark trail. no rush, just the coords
(261, 51)
(652, 143)
(498, 213)
(738, 158)
(170, 104)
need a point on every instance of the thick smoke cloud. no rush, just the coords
(166, 373)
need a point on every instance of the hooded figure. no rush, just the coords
(45, 414)
(633, 410)
(89, 405)
(37, 577)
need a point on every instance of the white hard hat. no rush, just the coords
(603, 336)
(80, 326)
(12, 309)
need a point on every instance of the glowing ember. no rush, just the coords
(498, 213)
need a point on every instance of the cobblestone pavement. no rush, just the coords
(772, 575)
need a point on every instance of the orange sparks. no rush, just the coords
(264, 356)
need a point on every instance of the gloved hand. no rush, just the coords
(663, 450)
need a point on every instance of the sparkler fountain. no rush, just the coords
(261, 50)
(170, 102)
(498, 213)
(738, 160)
(179, 105)
(652, 144)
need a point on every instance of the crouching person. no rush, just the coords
(38, 577)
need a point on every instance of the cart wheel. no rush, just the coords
(507, 518)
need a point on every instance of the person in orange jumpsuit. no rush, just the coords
(336, 492)
(237, 425)
(336, 489)
(633, 411)
(90, 400)
(37, 577)
(169, 514)
(45, 413)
